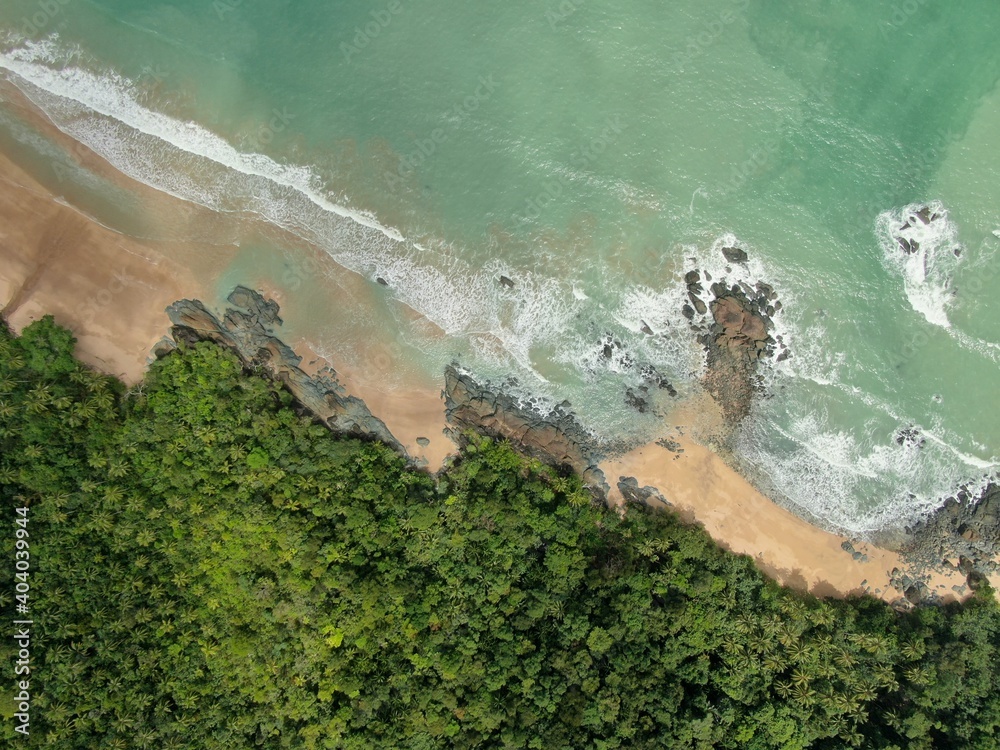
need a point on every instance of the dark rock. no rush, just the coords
(381, 281)
(692, 277)
(968, 533)
(507, 282)
(735, 254)
(688, 312)
(924, 214)
(423, 442)
(653, 377)
(669, 444)
(700, 306)
(966, 527)
(248, 330)
(558, 440)
(633, 493)
(645, 328)
(636, 400)
(734, 343)
(975, 580)
(915, 593)
(607, 351)
(163, 347)
(910, 437)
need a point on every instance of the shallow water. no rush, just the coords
(592, 155)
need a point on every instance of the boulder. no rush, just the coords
(735, 254)
(633, 493)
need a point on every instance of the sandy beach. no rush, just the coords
(703, 489)
(111, 290)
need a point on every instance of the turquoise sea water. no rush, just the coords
(592, 152)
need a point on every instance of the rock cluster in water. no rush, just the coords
(924, 216)
(556, 439)
(737, 337)
(248, 329)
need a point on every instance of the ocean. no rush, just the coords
(592, 154)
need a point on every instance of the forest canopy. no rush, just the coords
(211, 568)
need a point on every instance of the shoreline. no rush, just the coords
(112, 291)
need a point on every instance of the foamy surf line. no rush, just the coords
(920, 244)
(193, 164)
(109, 97)
(903, 481)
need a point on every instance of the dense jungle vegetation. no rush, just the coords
(212, 569)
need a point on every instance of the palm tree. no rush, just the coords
(799, 677)
(886, 677)
(799, 651)
(866, 690)
(912, 650)
(918, 675)
(845, 659)
(804, 694)
(774, 663)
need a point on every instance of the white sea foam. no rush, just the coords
(829, 472)
(505, 326)
(103, 111)
(926, 271)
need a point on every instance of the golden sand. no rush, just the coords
(111, 291)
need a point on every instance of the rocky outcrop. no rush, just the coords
(736, 336)
(556, 439)
(633, 493)
(965, 528)
(248, 329)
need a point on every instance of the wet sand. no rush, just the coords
(111, 290)
(702, 488)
